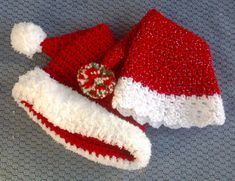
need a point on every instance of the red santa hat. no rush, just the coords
(52, 97)
(167, 77)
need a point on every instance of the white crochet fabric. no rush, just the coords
(70, 111)
(147, 106)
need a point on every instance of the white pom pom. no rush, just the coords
(26, 38)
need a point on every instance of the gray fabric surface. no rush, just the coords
(27, 153)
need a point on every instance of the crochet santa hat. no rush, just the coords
(167, 77)
(52, 97)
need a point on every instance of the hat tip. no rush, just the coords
(26, 38)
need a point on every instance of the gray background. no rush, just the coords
(27, 153)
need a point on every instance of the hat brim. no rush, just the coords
(57, 108)
(131, 98)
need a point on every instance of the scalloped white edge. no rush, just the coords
(146, 106)
(71, 111)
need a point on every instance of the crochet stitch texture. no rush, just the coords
(167, 76)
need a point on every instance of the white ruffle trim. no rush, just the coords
(71, 111)
(147, 106)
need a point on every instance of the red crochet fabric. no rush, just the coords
(90, 47)
(165, 57)
(68, 53)
(86, 143)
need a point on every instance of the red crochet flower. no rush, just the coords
(95, 80)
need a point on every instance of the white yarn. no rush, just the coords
(73, 112)
(146, 106)
(26, 38)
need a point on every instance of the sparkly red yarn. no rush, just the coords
(165, 57)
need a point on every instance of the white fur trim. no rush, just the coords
(146, 106)
(71, 111)
(26, 38)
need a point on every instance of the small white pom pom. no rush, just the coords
(26, 38)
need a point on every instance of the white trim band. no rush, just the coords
(147, 106)
(73, 112)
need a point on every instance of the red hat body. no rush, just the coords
(92, 128)
(167, 77)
